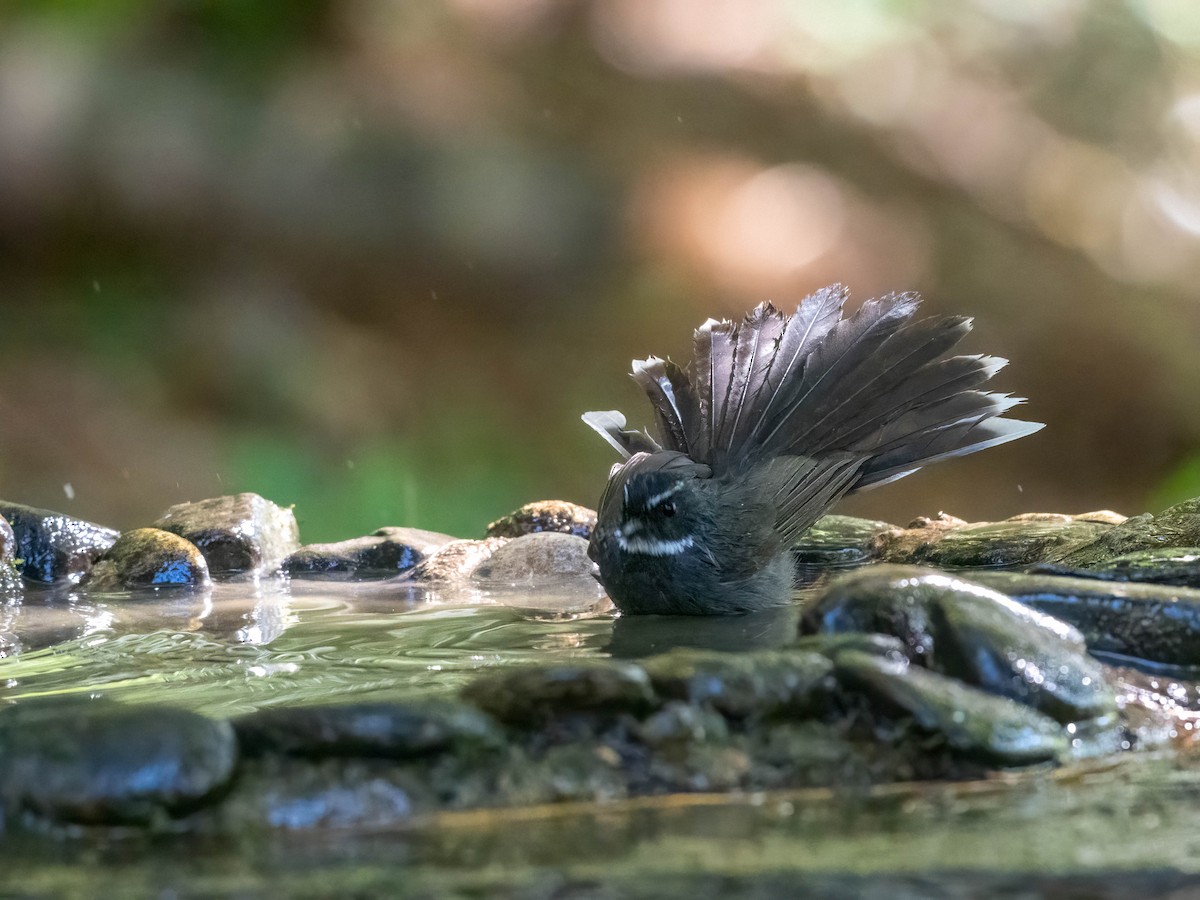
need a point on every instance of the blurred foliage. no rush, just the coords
(374, 258)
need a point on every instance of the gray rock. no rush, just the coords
(967, 631)
(545, 555)
(455, 561)
(381, 554)
(101, 762)
(530, 695)
(1178, 526)
(242, 534)
(682, 723)
(545, 515)
(841, 541)
(1013, 542)
(53, 547)
(1169, 565)
(391, 730)
(148, 558)
(1149, 622)
(973, 722)
(741, 685)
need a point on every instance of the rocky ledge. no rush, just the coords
(942, 650)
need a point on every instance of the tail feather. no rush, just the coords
(878, 386)
(651, 376)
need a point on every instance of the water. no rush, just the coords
(1101, 828)
(245, 647)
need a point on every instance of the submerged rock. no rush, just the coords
(242, 534)
(1178, 526)
(1148, 622)
(101, 762)
(740, 685)
(967, 631)
(391, 730)
(536, 556)
(148, 557)
(842, 541)
(53, 547)
(1169, 565)
(381, 554)
(530, 695)
(545, 515)
(972, 721)
(455, 561)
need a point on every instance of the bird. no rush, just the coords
(771, 422)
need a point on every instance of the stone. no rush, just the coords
(1168, 565)
(101, 762)
(241, 534)
(369, 729)
(1177, 526)
(741, 685)
(148, 558)
(381, 554)
(1150, 622)
(841, 541)
(545, 515)
(973, 722)
(682, 723)
(543, 555)
(53, 547)
(533, 694)
(906, 544)
(967, 631)
(455, 562)
(1013, 542)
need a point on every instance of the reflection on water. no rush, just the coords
(244, 646)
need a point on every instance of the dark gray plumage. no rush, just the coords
(774, 419)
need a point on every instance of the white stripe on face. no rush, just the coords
(663, 495)
(653, 547)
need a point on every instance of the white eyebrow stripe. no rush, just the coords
(652, 547)
(663, 495)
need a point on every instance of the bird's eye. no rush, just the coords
(668, 508)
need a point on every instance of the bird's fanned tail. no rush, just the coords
(879, 386)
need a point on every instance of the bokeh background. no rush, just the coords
(374, 258)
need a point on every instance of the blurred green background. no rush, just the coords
(374, 258)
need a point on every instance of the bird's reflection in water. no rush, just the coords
(767, 629)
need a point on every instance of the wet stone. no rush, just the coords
(833, 645)
(241, 534)
(679, 723)
(973, 722)
(531, 695)
(765, 683)
(841, 541)
(52, 547)
(907, 544)
(455, 561)
(964, 630)
(1013, 542)
(1149, 622)
(148, 558)
(1178, 526)
(101, 762)
(545, 555)
(294, 795)
(391, 730)
(1169, 565)
(545, 515)
(382, 554)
